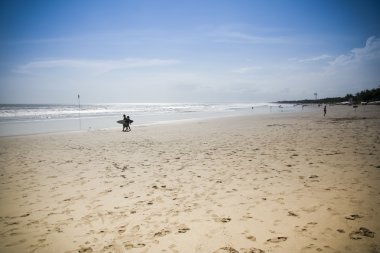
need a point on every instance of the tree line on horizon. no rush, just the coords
(365, 96)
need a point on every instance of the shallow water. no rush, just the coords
(35, 119)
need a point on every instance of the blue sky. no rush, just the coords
(186, 51)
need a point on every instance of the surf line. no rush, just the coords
(80, 120)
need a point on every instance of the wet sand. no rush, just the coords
(282, 182)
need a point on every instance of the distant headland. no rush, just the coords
(364, 97)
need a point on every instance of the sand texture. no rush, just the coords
(284, 182)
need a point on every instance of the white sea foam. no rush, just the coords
(38, 112)
(27, 119)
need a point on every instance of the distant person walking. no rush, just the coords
(127, 123)
(324, 111)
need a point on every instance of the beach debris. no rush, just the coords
(359, 234)
(341, 230)
(353, 216)
(226, 250)
(313, 176)
(278, 239)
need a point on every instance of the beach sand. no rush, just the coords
(282, 182)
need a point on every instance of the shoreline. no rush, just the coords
(61, 125)
(294, 182)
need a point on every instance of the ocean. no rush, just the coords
(26, 119)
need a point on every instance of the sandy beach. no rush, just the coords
(281, 182)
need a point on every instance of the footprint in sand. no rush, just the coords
(162, 233)
(108, 247)
(306, 227)
(277, 239)
(16, 243)
(311, 248)
(135, 229)
(353, 216)
(85, 250)
(253, 250)
(310, 209)
(359, 234)
(251, 237)
(183, 229)
(223, 220)
(226, 250)
(129, 245)
(121, 230)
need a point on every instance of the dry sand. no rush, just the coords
(285, 182)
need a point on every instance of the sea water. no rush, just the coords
(24, 119)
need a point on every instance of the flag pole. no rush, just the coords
(80, 120)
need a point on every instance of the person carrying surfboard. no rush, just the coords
(126, 124)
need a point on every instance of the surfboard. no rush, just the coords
(122, 121)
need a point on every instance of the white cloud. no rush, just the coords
(98, 66)
(246, 70)
(239, 37)
(371, 51)
(231, 34)
(328, 75)
(322, 57)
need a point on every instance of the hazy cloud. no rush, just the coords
(246, 70)
(99, 66)
(233, 34)
(322, 57)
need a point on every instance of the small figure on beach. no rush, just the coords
(324, 111)
(127, 123)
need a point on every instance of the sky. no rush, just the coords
(127, 51)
